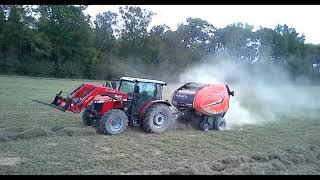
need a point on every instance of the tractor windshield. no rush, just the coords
(147, 90)
(127, 87)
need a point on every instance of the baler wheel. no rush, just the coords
(219, 124)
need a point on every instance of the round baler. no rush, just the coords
(210, 102)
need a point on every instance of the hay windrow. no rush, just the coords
(33, 133)
(37, 132)
(75, 131)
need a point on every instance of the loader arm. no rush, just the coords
(83, 96)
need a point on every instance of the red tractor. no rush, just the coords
(138, 102)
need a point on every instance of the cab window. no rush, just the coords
(127, 87)
(147, 90)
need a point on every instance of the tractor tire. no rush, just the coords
(157, 119)
(219, 124)
(87, 120)
(113, 122)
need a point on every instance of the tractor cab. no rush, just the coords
(142, 88)
(140, 92)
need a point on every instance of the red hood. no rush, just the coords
(102, 98)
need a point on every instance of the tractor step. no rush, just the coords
(136, 121)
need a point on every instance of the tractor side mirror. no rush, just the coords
(136, 89)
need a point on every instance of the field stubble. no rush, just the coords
(35, 139)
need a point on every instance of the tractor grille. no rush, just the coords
(97, 106)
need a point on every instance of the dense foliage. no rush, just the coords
(61, 41)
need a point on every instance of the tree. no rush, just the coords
(155, 44)
(159, 30)
(16, 37)
(69, 32)
(198, 34)
(238, 40)
(60, 41)
(3, 12)
(136, 22)
(104, 32)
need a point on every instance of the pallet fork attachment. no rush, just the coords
(50, 105)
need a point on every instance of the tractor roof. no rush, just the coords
(143, 80)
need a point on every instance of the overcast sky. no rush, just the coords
(304, 18)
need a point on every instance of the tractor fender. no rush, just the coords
(150, 103)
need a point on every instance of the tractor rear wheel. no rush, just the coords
(219, 124)
(87, 120)
(157, 119)
(113, 122)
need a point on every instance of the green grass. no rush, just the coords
(288, 146)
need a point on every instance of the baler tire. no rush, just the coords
(107, 120)
(85, 118)
(150, 121)
(219, 124)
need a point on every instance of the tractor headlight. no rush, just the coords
(99, 101)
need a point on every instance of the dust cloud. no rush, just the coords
(263, 92)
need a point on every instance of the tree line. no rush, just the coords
(61, 41)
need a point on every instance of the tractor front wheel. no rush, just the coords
(157, 119)
(113, 122)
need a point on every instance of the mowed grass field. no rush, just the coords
(35, 139)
